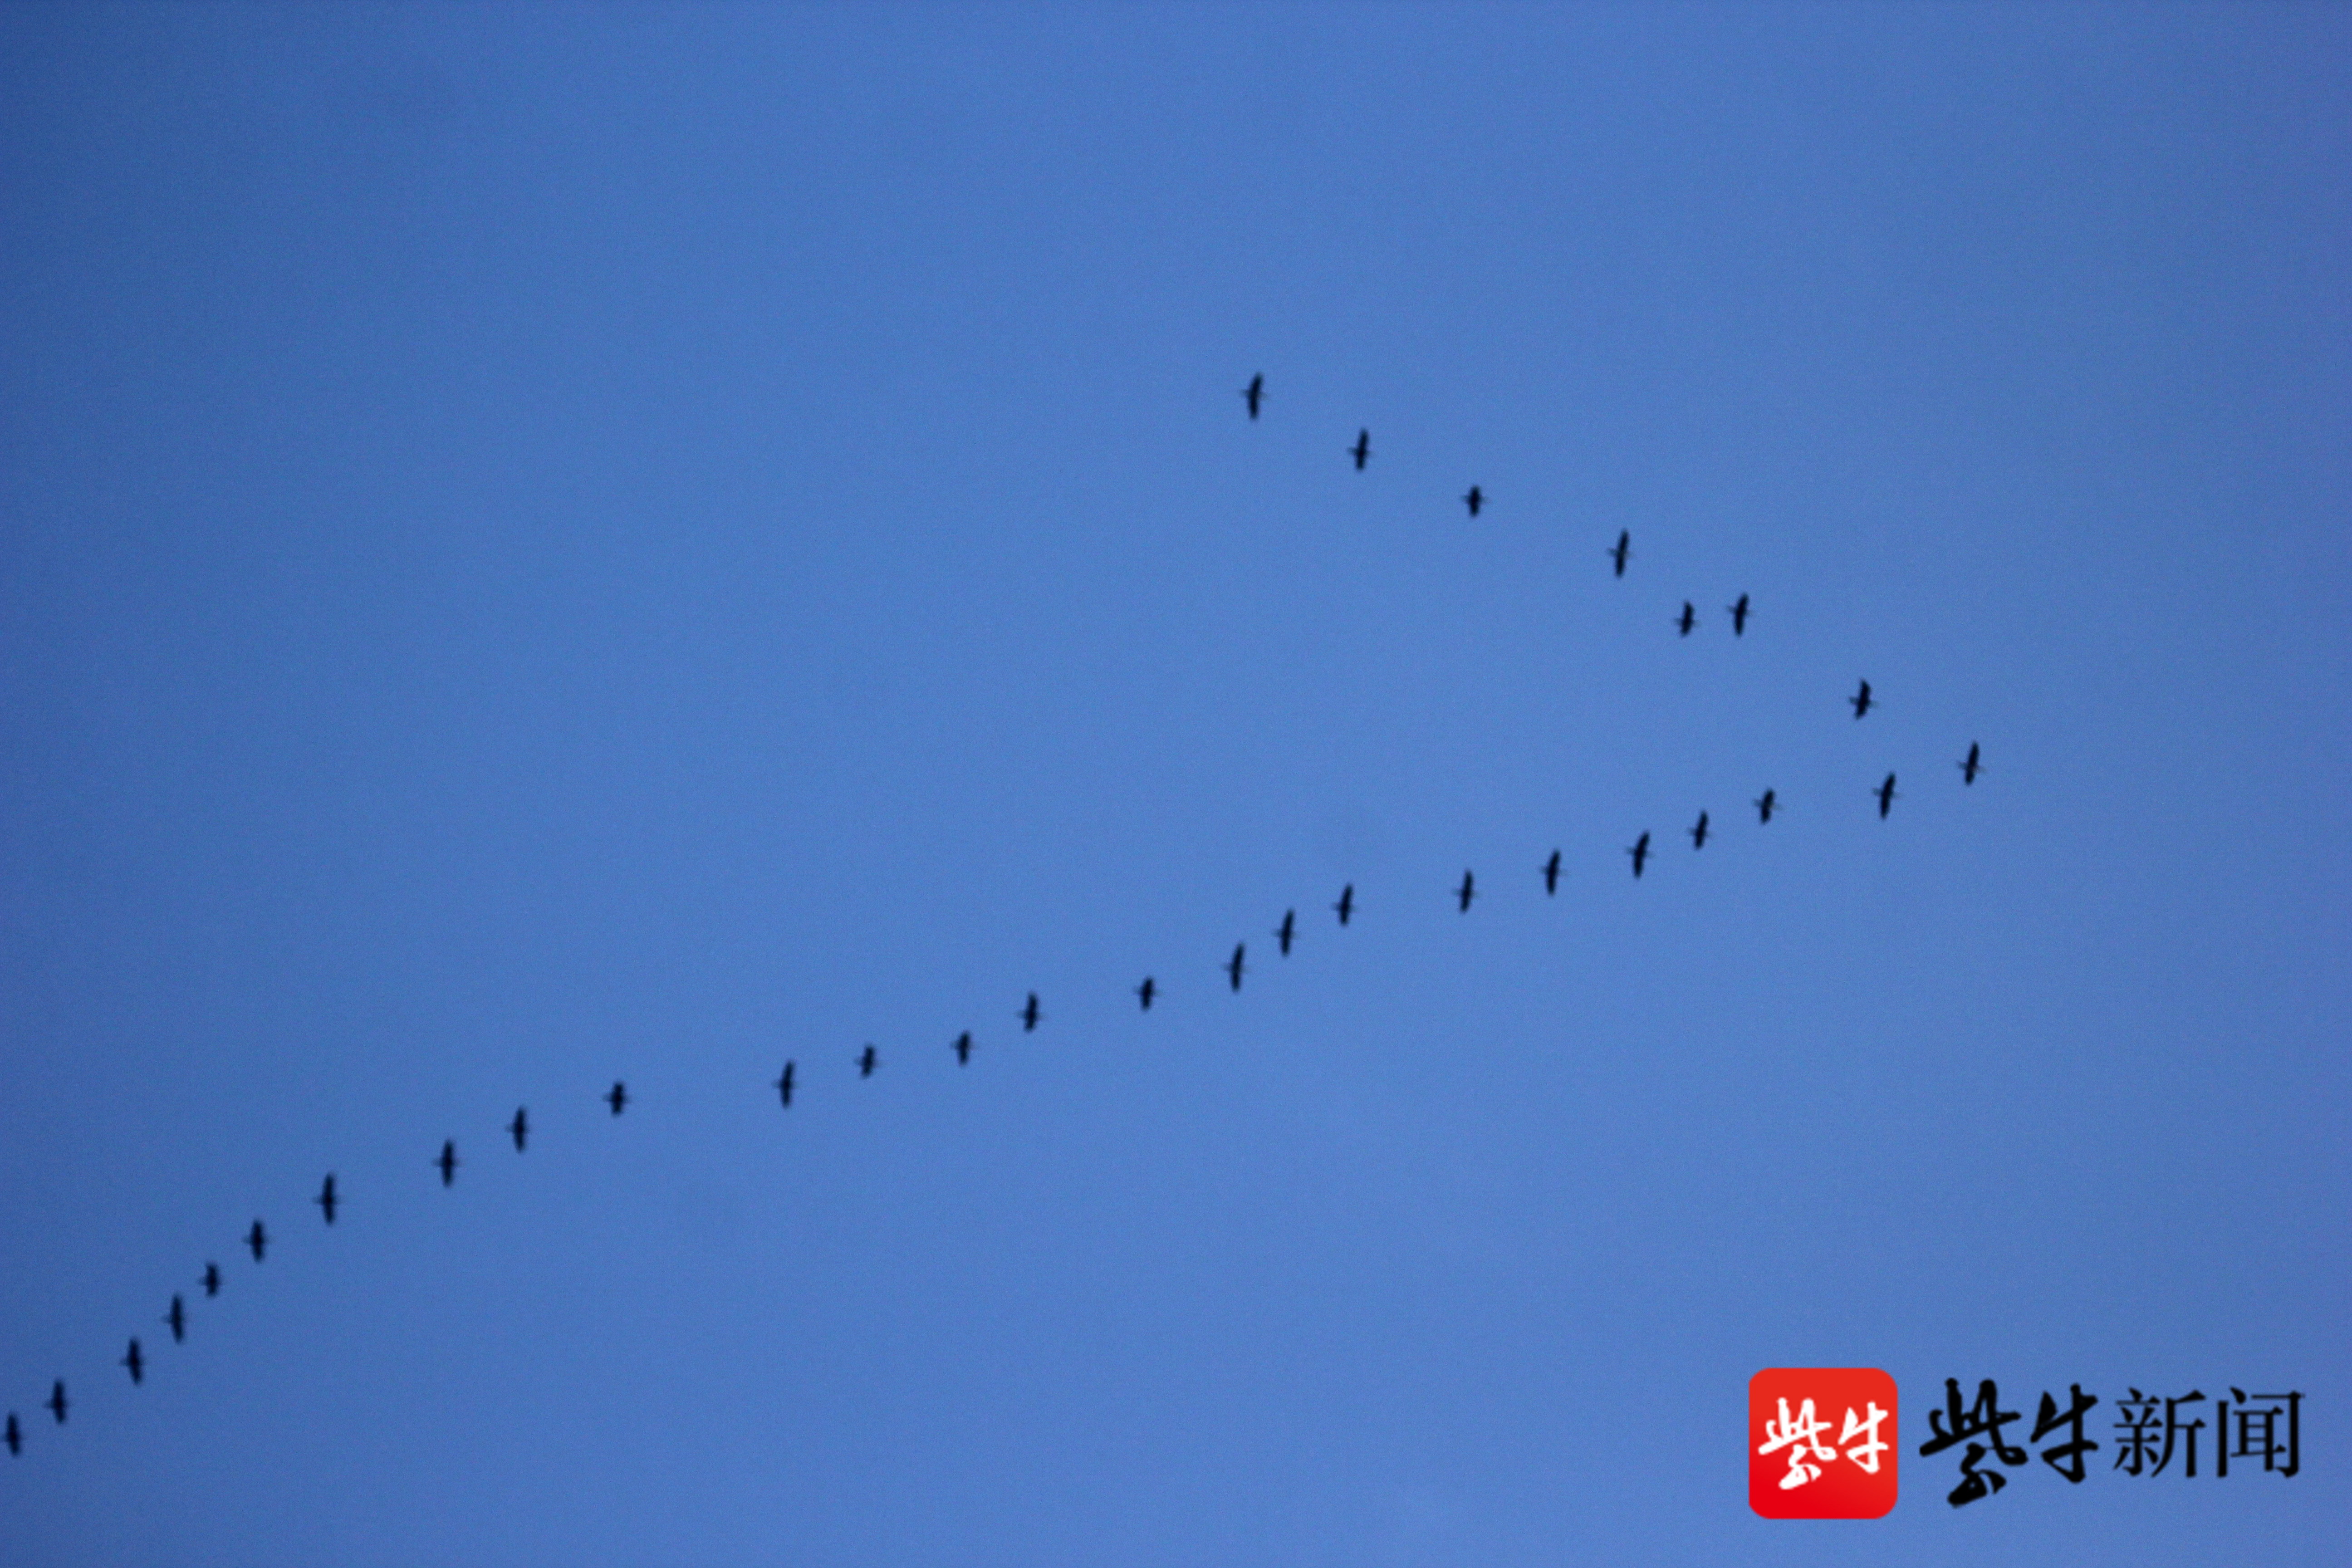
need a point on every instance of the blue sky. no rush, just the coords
(547, 546)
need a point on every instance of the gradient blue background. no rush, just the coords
(545, 544)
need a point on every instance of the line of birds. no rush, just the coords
(616, 1099)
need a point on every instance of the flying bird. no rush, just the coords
(326, 1198)
(963, 1048)
(865, 1060)
(1145, 992)
(1234, 965)
(520, 1128)
(784, 1085)
(1687, 620)
(1641, 853)
(1885, 794)
(1739, 616)
(448, 1161)
(1362, 451)
(212, 1278)
(1475, 499)
(1861, 701)
(135, 1361)
(256, 1238)
(178, 1319)
(617, 1097)
(1764, 805)
(58, 1400)
(1551, 873)
(16, 1437)
(1698, 832)
(1347, 904)
(1254, 393)
(1465, 892)
(1029, 1014)
(1970, 767)
(1624, 550)
(1288, 928)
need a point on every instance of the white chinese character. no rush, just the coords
(1866, 1452)
(1804, 1433)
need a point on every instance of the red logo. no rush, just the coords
(1821, 1442)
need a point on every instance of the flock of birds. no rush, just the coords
(616, 1099)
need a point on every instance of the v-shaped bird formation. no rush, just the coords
(617, 1099)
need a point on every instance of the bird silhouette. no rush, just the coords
(256, 1238)
(1362, 451)
(1687, 620)
(617, 1097)
(178, 1319)
(1698, 832)
(58, 1400)
(520, 1128)
(15, 1436)
(1465, 892)
(1765, 803)
(1624, 550)
(1551, 873)
(1739, 616)
(1347, 904)
(1234, 965)
(135, 1361)
(1475, 499)
(326, 1198)
(1254, 393)
(1288, 928)
(784, 1085)
(1861, 701)
(963, 1048)
(865, 1060)
(1030, 1014)
(448, 1161)
(1885, 794)
(212, 1278)
(1641, 853)
(1970, 767)
(1145, 992)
